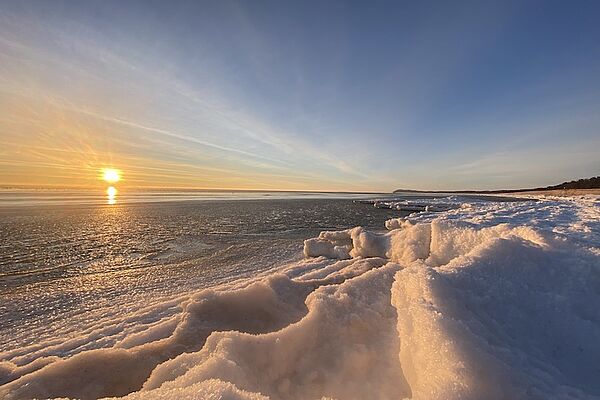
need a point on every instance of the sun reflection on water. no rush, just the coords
(111, 194)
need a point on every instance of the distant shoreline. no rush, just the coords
(571, 188)
(559, 192)
(545, 192)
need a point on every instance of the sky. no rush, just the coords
(340, 96)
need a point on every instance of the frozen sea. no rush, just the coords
(300, 296)
(65, 255)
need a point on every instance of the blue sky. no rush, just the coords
(300, 95)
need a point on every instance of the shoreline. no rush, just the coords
(376, 305)
(558, 192)
(544, 192)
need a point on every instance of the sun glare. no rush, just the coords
(111, 175)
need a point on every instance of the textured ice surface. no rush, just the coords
(63, 267)
(485, 301)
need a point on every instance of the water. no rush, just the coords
(65, 262)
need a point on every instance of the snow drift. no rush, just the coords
(484, 301)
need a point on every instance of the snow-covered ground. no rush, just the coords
(483, 301)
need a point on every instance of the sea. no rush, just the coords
(68, 258)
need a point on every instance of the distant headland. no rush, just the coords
(585, 185)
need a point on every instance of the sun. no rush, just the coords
(111, 175)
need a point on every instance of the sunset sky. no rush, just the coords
(305, 96)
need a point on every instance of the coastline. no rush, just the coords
(557, 192)
(485, 300)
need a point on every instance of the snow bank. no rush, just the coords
(510, 320)
(210, 389)
(485, 301)
(260, 307)
(345, 347)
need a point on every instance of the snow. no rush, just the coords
(487, 300)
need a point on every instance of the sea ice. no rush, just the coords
(482, 301)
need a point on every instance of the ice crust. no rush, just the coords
(484, 301)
